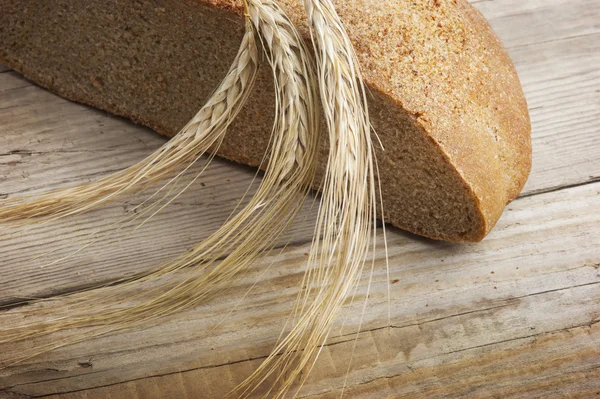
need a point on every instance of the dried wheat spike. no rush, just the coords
(346, 217)
(211, 264)
(205, 130)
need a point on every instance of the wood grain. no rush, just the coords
(48, 142)
(562, 87)
(521, 23)
(514, 316)
(473, 373)
(447, 302)
(555, 46)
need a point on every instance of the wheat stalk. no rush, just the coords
(345, 222)
(202, 132)
(347, 214)
(240, 241)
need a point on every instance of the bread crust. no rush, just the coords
(432, 66)
(441, 62)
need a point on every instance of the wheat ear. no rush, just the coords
(201, 133)
(239, 242)
(346, 219)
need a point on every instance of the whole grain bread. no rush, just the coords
(444, 96)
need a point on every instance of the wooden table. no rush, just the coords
(516, 315)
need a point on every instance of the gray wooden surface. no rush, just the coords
(513, 316)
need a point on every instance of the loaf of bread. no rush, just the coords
(444, 97)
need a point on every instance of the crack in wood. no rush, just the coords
(335, 343)
(16, 88)
(407, 364)
(590, 180)
(16, 303)
(560, 39)
(413, 369)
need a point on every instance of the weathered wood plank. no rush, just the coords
(521, 368)
(521, 23)
(47, 142)
(555, 46)
(562, 85)
(449, 303)
(513, 316)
